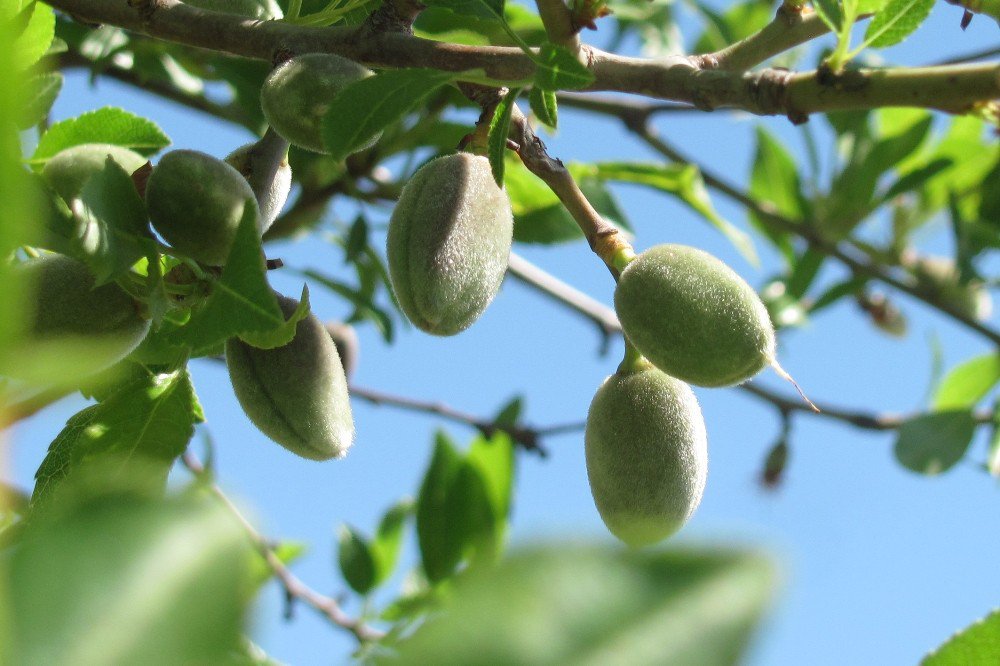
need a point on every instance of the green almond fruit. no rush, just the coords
(693, 317)
(69, 170)
(647, 454)
(295, 394)
(449, 242)
(196, 202)
(298, 93)
(71, 324)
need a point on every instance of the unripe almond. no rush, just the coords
(295, 394)
(693, 317)
(68, 170)
(196, 203)
(297, 95)
(91, 327)
(647, 454)
(448, 243)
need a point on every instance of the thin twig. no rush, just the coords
(293, 586)
(788, 29)
(526, 437)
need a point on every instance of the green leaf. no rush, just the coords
(365, 308)
(544, 106)
(968, 383)
(389, 539)
(242, 302)
(499, 129)
(774, 179)
(494, 459)
(455, 516)
(33, 42)
(572, 604)
(357, 239)
(933, 443)
(558, 69)
(40, 93)
(107, 125)
(979, 643)
(140, 429)
(122, 581)
(831, 13)
(685, 182)
(437, 534)
(113, 219)
(366, 107)
(357, 563)
(894, 22)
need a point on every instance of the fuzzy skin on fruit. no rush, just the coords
(448, 243)
(102, 324)
(68, 170)
(256, 9)
(196, 202)
(269, 176)
(647, 454)
(297, 94)
(693, 317)
(295, 394)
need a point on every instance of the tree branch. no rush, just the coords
(953, 88)
(293, 586)
(558, 22)
(788, 29)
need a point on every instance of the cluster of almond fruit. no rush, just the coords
(687, 317)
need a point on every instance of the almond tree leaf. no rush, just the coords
(41, 91)
(498, 131)
(125, 580)
(685, 182)
(979, 643)
(968, 383)
(242, 302)
(108, 125)
(357, 562)
(933, 443)
(141, 428)
(545, 107)
(366, 107)
(34, 40)
(558, 69)
(577, 604)
(894, 22)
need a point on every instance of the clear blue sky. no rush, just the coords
(879, 564)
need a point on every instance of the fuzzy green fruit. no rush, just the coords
(264, 164)
(69, 170)
(448, 243)
(693, 317)
(256, 9)
(297, 94)
(196, 203)
(647, 454)
(295, 394)
(72, 324)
